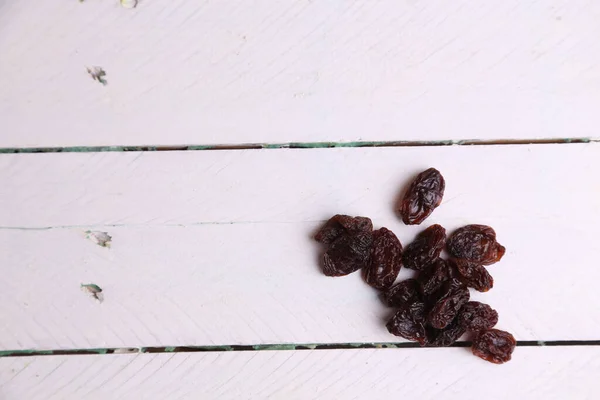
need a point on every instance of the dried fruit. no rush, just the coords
(425, 249)
(348, 253)
(451, 297)
(494, 345)
(385, 260)
(476, 316)
(340, 224)
(402, 293)
(409, 322)
(473, 275)
(432, 277)
(422, 197)
(433, 309)
(349, 240)
(445, 337)
(476, 243)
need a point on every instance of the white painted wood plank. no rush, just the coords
(215, 247)
(523, 183)
(534, 373)
(182, 72)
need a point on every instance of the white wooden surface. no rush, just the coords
(196, 72)
(216, 248)
(535, 373)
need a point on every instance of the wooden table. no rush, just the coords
(228, 131)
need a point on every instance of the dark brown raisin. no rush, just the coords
(494, 345)
(402, 293)
(409, 322)
(422, 197)
(432, 277)
(476, 316)
(385, 260)
(445, 337)
(451, 297)
(425, 249)
(348, 253)
(339, 224)
(473, 275)
(476, 243)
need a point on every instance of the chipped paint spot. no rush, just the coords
(100, 238)
(94, 290)
(97, 74)
(127, 350)
(129, 3)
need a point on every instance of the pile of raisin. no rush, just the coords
(432, 309)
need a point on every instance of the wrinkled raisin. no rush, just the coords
(432, 277)
(422, 197)
(425, 249)
(451, 297)
(476, 316)
(409, 322)
(402, 293)
(340, 224)
(473, 275)
(348, 253)
(476, 243)
(494, 345)
(385, 260)
(445, 337)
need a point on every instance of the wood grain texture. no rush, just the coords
(215, 247)
(201, 72)
(548, 373)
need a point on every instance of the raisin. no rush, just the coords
(432, 277)
(385, 260)
(423, 195)
(445, 337)
(425, 249)
(409, 322)
(451, 297)
(494, 345)
(402, 293)
(476, 316)
(476, 243)
(340, 224)
(348, 253)
(473, 275)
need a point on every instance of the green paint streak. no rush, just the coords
(215, 348)
(288, 145)
(200, 147)
(144, 225)
(263, 347)
(282, 346)
(98, 351)
(93, 287)
(13, 353)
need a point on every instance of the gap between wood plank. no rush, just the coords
(273, 347)
(292, 145)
